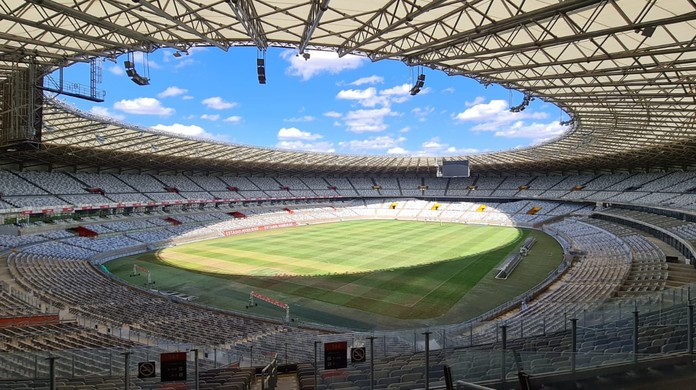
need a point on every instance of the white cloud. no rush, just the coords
(305, 118)
(323, 146)
(172, 91)
(186, 130)
(435, 147)
(103, 111)
(434, 144)
(218, 103)
(357, 94)
(143, 106)
(210, 117)
(394, 146)
(384, 142)
(483, 111)
(366, 97)
(371, 97)
(368, 80)
(477, 100)
(495, 117)
(333, 114)
(293, 133)
(139, 58)
(448, 90)
(233, 119)
(397, 150)
(361, 121)
(538, 131)
(422, 113)
(197, 49)
(184, 63)
(320, 62)
(399, 93)
(187, 97)
(490, 116)
(454, 151)
(117, 70)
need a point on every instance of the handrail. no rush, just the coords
(269, 375)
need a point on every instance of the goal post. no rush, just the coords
(270, 300)
(137, 269)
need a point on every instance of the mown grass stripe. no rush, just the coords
(395, 269)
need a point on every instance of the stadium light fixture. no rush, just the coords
(261, 66)
(525, 102)
(648, 31)
(420, 82)
(129, 64)
(569, 122)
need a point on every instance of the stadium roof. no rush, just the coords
(625, 70)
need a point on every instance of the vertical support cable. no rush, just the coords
(574, 342)
(52, 372)
(372, 362)
(126, 373)
(427, 359)
(195, 369)
(635, 336)
(503, 373)
(316, 366)
(690, 329)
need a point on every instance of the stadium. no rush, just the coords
(578, 272)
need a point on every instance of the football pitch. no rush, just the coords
(362, 274)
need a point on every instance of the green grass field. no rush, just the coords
(362, 274)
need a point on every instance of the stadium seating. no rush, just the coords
(21, 189)
(612, 262)
(13, 184)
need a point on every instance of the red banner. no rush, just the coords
(19, 321)
(173, 357)
(258, 228)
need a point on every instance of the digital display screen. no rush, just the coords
(458, 168)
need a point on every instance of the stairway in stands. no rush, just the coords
(285, 382)
(680, 275)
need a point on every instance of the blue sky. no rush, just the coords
(346, 105)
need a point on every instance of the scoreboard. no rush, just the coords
(335, 355)
(173, 366)
(454, 168)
